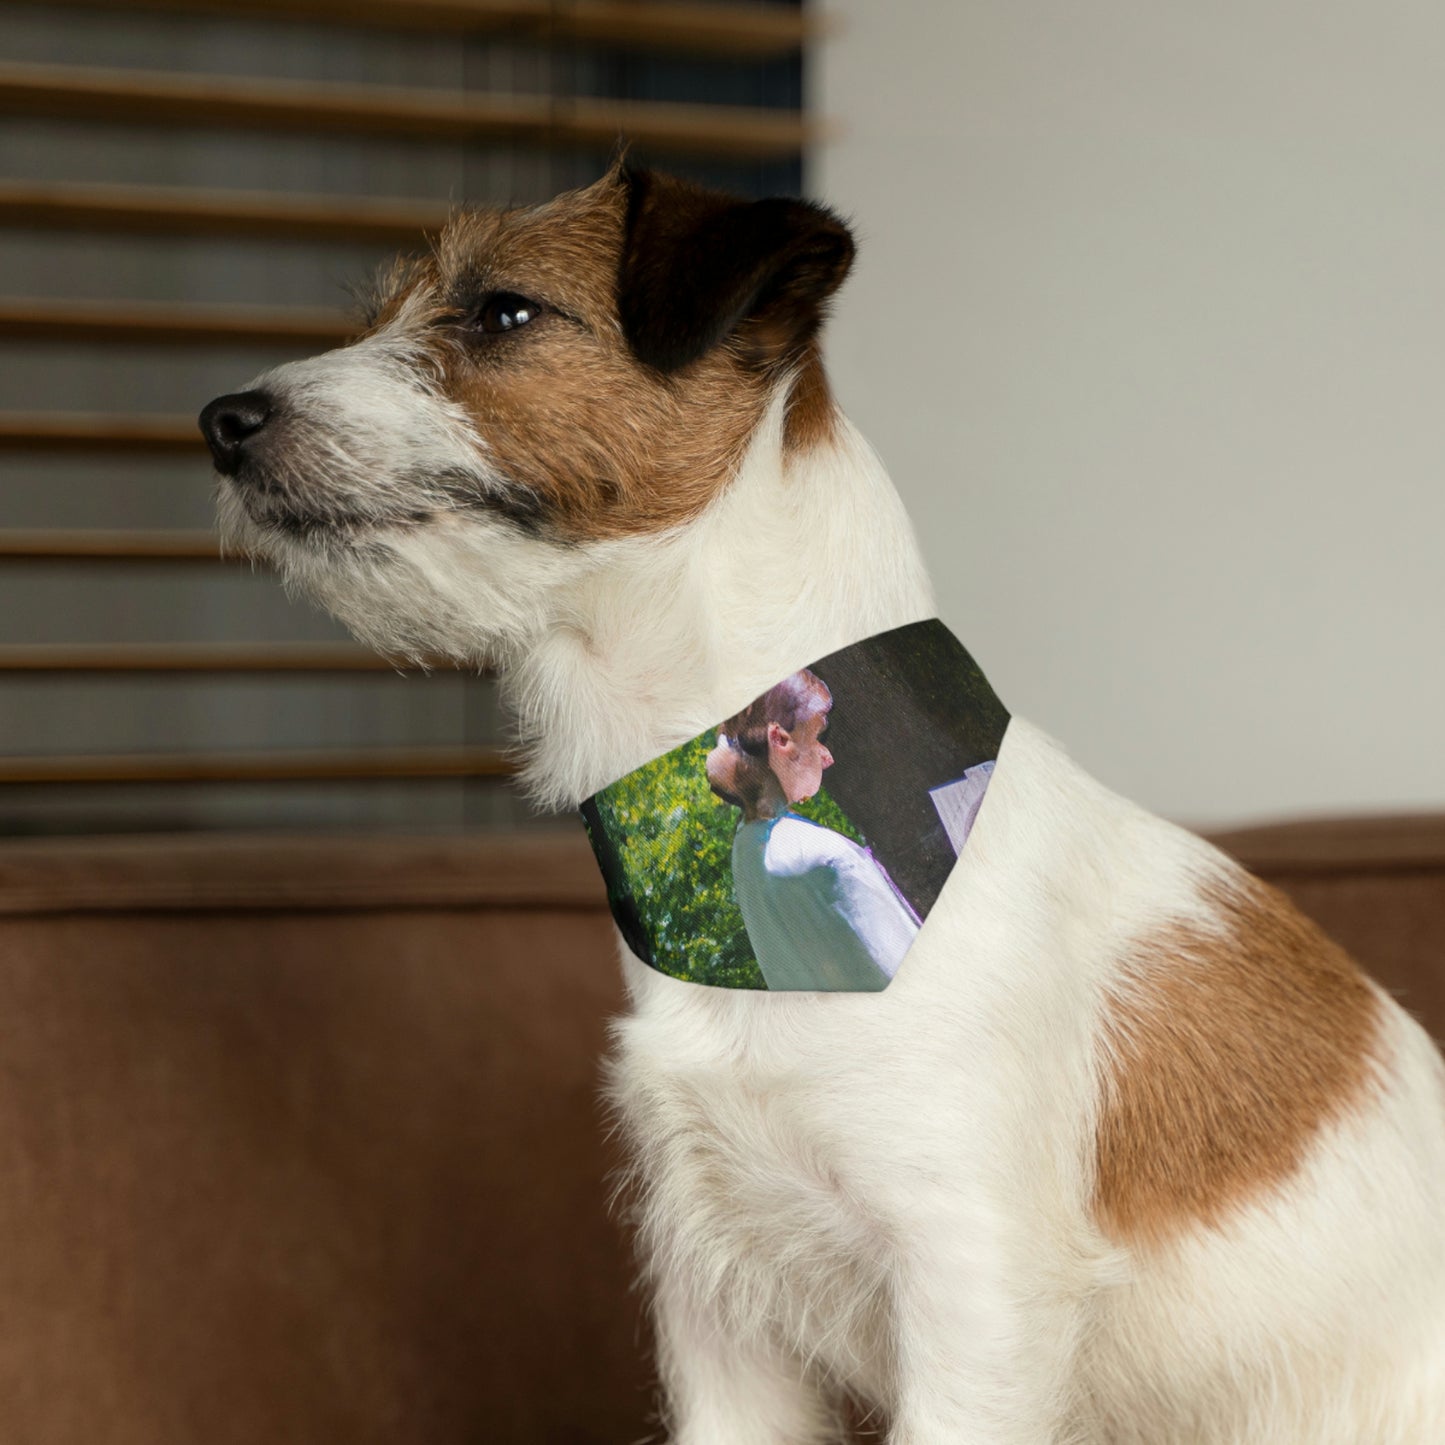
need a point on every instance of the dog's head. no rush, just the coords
(546, 381)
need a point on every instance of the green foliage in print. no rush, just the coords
(674, 840)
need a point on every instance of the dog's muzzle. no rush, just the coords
(231, 423)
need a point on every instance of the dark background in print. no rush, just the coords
(911, 710)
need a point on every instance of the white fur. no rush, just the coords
(889, 1194)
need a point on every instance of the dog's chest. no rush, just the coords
(749, 1183)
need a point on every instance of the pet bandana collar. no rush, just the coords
(801, 843)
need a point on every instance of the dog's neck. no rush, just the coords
(804, 553)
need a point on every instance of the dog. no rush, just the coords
(1128, 1153)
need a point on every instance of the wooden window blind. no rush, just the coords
(187, 190)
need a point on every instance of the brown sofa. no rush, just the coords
(299, 1140)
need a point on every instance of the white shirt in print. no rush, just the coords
(820, 912)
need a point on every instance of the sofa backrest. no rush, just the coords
(300, 1139)
(300, 1142)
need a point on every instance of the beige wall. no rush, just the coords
(1149, 324)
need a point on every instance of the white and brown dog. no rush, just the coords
(1128, 1152)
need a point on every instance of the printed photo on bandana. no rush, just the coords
(800, 844)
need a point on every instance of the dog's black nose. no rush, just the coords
(229, 422)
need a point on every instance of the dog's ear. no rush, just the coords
(699, 266)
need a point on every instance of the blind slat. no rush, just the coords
(176, 211)
(98, 431)
(755, 31)
(110, 546)
(259, 767)
(181, 657)
(171, 323)
(216, 101)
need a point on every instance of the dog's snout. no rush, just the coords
(229, 422)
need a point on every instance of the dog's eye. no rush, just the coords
(505, 311)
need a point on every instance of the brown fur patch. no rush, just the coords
(1228, 1052)
(812, 413)
(597, 443)
(601, 445)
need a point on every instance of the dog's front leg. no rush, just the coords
(984, 1352)
(721, 1389)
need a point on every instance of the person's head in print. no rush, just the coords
(772, 753)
